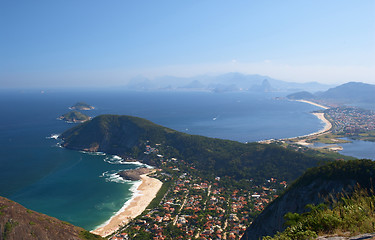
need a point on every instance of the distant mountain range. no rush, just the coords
(348, 93)
(228, 82)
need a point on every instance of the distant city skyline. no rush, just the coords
(97, 43)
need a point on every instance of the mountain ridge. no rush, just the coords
(348, 93)
(128, 136)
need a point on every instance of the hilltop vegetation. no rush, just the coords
(324, 184)
(348, 216)
(128, 136)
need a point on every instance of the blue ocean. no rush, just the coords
(82, 188)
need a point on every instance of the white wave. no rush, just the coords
(94, 153)
(53, 136)
(114, 159)
(136, 193)
(112, 176)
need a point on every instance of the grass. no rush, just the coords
(8, 228)
(350, 214)
(2, 207)
(155, 202)
(89, 236)
(328, 138)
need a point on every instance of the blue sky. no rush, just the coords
(80, 42)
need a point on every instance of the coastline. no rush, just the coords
(321, 117)
(145, 193)
(313, 103)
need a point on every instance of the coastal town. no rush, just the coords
(198, 207)
(191, 205)
(352, 122)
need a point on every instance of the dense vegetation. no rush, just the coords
(362, 171)
(128, 136)
(323, 184)
(349, 215)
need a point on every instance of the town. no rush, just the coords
(351, 121)
(197, 206)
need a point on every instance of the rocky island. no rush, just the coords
(82, 106)
(134, 174)
(74, 117)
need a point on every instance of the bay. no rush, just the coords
(82, 188)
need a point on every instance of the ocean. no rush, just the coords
(82, 188)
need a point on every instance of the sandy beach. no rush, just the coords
(313, 103)
(326, 128)
(327, 123)
(147, 191)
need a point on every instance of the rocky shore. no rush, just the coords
(134, 174)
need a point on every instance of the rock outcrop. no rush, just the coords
(17, 222)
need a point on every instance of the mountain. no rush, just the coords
(128, 136)
(351, 92)
(265, 86)
(348, 93)
(313, 187)
(17, 222)
(223, 83)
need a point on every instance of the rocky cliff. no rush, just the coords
(315, 186)
(17, 222)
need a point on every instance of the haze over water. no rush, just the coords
(82, 188)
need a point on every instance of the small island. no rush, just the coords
(82, 106)
(74, 117)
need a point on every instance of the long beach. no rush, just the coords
(147, 191)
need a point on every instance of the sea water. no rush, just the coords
(83, 188)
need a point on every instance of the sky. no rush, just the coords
(101, 43)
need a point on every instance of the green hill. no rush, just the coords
(17, 222)
(317, 185)
(128, 136)
(74, 116)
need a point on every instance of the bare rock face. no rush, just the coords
(133, 174)
(17, 222)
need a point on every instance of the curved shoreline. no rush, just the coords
(313, 103)
(320, 116)
(145, 193)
